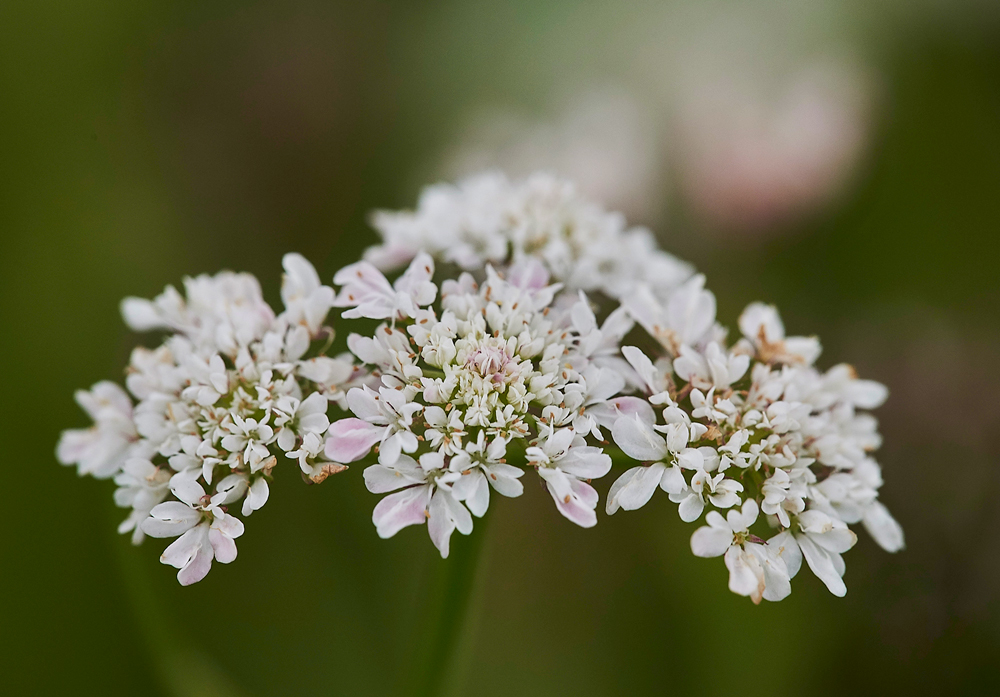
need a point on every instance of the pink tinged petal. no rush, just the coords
(223, 546)
(182, 550)
(638, 439)
(574, 499)
(822, 563)
(883, 527)
(746, 577)
(350, 440)
(397, 511)
(711, 542)
(170, 519)
(191, 553)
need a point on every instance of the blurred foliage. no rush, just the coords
(141, 142)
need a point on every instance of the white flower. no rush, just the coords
(688, 316)
(483, 467)
(763, 327)
(487, 219)
(217, 402)
(206, 531)
(428, 495)
(142, 485)
(669, 456)
(822, 540)
(567, 465)
(714, 368)
(756, 568)
(369, 294)
(390, 415)
(225, 311)
(306, 300)
(102, 449)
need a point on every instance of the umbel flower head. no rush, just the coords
(232, 391)
(519, 353)
(485, 367)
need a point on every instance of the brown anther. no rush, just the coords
(566, 500)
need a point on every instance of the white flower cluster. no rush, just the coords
(753, 428)
(472, 379)
(487, 219)
(487, 370)
(230, 391)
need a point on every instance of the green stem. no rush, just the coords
(451, 608)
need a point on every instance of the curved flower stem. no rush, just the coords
(451, 609)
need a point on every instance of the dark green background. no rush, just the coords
(140, 142)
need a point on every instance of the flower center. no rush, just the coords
(490, 362)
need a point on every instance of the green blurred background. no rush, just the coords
(144, 141)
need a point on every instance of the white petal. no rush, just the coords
(746, 577)
(711, 542)
(637, 491)
(821, 562)
(638, 439)
(396, 511)
(883, 527)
